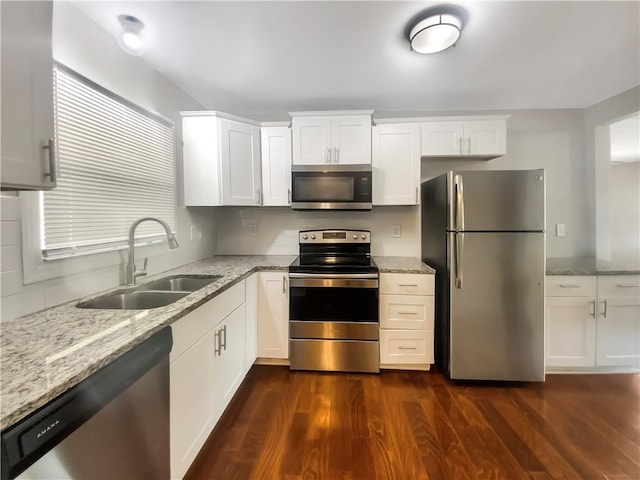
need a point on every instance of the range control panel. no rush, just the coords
(335, 236)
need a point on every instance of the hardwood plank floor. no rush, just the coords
(420, 425)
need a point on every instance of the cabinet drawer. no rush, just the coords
(571, 286)
(193, 326)
(406, 346)
(619, 286)
(407, 284)
(413, 312)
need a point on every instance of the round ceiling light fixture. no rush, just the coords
(130, 35)
(435, 33)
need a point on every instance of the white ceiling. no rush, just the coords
(264, 59)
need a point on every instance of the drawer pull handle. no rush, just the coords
(593, 308)
(569, 285)
(407, 285)
(407, 348)
(407, 313)
(627, 285)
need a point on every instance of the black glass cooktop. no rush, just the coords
(333, 264)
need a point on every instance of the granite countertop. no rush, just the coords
(587, 266)
(402, 265)
(45, 353)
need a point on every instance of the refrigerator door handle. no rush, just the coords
(459, 203)
(459, 246)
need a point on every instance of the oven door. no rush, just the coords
(341, 306)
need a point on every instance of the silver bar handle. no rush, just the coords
(604, 308)
(258, 196)
(627, 285)
(569, 285)
(407, 313)
(417, 195)
(284, 283)
(335, 155)
(217, 346)
(407, 348)
(328, 155)
(460, 140)
(593, 308)
(289, 196)
(468, 144)
(51, 147)
(460, 203)
(459, 259)
(407, 284)
(224, 342)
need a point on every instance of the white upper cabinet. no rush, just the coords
(221, 155)
(276, 165)
(395, 159)
(331, 137)
(480, 138)
(28, 157)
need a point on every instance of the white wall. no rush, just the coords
(85, 47)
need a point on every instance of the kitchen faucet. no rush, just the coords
(131, 265)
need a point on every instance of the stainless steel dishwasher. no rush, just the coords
(112, 425)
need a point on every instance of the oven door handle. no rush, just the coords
(334, 275)
(336, 282)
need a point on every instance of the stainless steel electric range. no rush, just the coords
(333, 303)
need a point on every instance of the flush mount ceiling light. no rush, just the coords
(130, 35)
(435, 33)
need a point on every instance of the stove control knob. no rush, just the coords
(363, 236)
(305, 236)
(313, 236)
(355, 237)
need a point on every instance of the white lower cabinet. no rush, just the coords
(251, 326)
(273, 315)
(207, 364)
(406, 320)
(593, 322)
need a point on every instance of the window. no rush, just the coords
(116, 163)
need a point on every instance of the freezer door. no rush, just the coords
(497, 306)
(504, 200)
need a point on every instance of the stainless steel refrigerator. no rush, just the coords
(484, 233)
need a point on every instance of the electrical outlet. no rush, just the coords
(397, 231)
(560, 230)
(253, 230)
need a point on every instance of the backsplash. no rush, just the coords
(276, 229)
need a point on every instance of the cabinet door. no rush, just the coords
(201, 161)
(351, 139)
(251, 321)
(27, 95)
(311, 140)
(485, 138)
(395, 159)
(276, 165)
(273, 315)
(571, 332)
(229, 360)
(240, 157)
(192, 402)
(442, 138)
(618, 331)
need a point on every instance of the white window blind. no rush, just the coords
(116, 163)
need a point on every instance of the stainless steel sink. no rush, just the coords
(179, 283)
(136, 300)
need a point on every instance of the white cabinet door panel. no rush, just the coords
(311, 140)
(485, 138)
(229, 361)
(571, 332)
(618, 333)
(240, 152)
(276, 165)
(413, 312)
(273, 315)
(442, 138)
(406, 347)
(395, 160)
(351, 139)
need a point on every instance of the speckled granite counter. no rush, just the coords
(402, 265)
(46, 353)
(586, 266)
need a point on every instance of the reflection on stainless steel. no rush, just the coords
(335, 355)
(179, 283)
(334, 330)
(333, 282)
(330, 206)
(138, 300)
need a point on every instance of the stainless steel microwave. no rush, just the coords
(331, 187)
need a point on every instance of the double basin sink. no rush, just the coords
(157, 293)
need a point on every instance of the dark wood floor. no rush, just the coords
(414, 425)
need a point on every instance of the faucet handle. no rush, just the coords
(143, 271)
